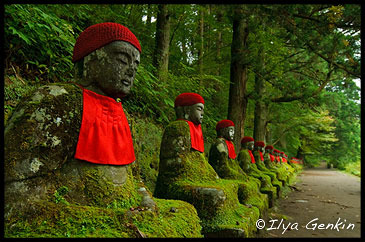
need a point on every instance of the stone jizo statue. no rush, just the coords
(259, 147)
(75, 136)
(222, 158)
(247, 162)
(185, 174)
(269, 160)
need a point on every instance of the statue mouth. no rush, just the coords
(126, 83)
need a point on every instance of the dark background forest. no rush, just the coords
(285, 74)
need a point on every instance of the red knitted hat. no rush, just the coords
(246, 139)
(99, 35)
(188, 99)
(223, 124)
(269, 147)
(277, 151)
(260, 143)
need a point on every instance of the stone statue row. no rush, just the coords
(77, 136)
(248, 182)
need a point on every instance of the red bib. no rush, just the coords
(272, 158)
(262, 157)
(231, 151)
(252, 158)
(284, 160)
(105, 136)
(196, 136)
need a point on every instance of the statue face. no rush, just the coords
(227, 133)
(250, 145)
(195, 113)
(112, 69)
(230, 135)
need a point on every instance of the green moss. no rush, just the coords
(147, 140)
(56, 220)
(103, 193)
(183, 221)
(184, 173)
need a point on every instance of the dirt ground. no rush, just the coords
(324, 196)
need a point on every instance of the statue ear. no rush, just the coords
(186, 112)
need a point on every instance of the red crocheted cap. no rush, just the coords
(188, 99)
(269, 147)
(260, 143)
(246, 139)
(99, 35)
(223, 124)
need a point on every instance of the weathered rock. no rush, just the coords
(186, 175)
(249, 189)
(45, 185)
(244, 162)
(274, 180)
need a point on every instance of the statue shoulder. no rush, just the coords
(43, 130)
(175, 139)
(177, 128)
(221, 145)
(243, 154)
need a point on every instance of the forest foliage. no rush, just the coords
(307, 57)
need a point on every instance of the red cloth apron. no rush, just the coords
(105, 136)
(231, 151)
(196, 136)
(262, 157)
(252, 158)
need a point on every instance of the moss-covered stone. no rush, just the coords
(76, 221)
(249, 190)
(48, 193)
(186, 175)
(274, 180)
(244, 161)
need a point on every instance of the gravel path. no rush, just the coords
(324, 196)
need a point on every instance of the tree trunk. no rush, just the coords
(161, 54)
(260, 111)
(219, 18)
(238, 76)
(260, 114)
(201, 36)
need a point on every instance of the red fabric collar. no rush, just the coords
(231, 151)
(105, 136)
(272, 158)
(196, 136)
(262, 157)
(252, 158)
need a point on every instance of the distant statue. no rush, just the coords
(259, 147)
(270, 163)
(222, 157)
(247, 162)
(75, 137)
(185, 174)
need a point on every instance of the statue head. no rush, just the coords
(190, 106)
(247, 142)
(106, 58)
(225, 129)
(259, 146)
(269, 149)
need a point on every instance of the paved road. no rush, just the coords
(325, 196)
